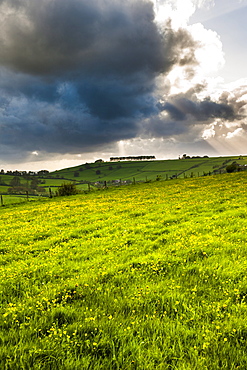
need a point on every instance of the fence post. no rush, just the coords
(134, 180)
(2, 200)
(89, 187)
(50, 194)
(27, 194)
(105, 184)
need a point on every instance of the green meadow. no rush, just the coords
(147, 276)
(97, 174)
(146, 170)
(13, 199)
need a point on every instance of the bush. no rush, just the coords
(232, 167)
(67, 189)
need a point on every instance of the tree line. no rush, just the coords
(134, 158)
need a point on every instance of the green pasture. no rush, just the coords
(147, 170)
(53, 182)
(126, 171)
(3, 189)
(6, 179)
(143, 277)
(13, 199)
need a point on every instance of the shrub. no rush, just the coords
(67, 189)
(232, 167)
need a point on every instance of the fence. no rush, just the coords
(105, 185)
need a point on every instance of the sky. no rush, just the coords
(82, 80)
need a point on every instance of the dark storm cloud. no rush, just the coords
(186, 105)
(186, 115)
(76, 75)
(51, 37)
(203, 110)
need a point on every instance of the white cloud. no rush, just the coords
(209, 132)
(210, 53)
(179, 11)
(238, 132)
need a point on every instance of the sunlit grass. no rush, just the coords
(151, 276)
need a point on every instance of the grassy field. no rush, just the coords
(115, 173)
(13, 199)
(151, 276)
(146, 170)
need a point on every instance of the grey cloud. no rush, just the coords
(90, 37)
(204, 110)
(42, 37)
(186, 115)
(79, 75)
(228, 107)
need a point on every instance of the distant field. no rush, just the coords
(147, 170)
(142, 277)
(116, 173)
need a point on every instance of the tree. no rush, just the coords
(43, 172)
(15, 181)
(2, 182)
(34, 183)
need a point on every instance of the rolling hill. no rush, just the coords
(99, 173)
(147, 170)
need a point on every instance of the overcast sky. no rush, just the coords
(82, 80)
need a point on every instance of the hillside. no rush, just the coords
(112, 173)
(144, 277)
(125, 172)
(147, 170)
